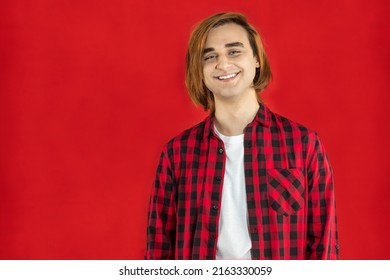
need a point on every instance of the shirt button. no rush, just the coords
(255, 253)
(248, 144)
(218, 179)
(220, 151)
(215, 207)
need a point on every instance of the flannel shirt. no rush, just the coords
(289, 191)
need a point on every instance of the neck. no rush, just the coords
(232, 118)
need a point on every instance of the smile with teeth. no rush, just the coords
(225, 77)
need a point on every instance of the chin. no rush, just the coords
(229, 93)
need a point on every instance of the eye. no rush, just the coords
(209, 57)
(234, 52)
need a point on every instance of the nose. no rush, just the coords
(222, 62)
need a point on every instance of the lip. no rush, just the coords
(226, 77)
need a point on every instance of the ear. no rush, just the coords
(257, 64)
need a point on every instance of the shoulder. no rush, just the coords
(287, 125)
(187, 138)
(294, 133)
(298, 137)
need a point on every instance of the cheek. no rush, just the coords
(252, 69)
(207, 74)
(205, 70)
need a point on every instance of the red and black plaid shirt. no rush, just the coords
(289, 190)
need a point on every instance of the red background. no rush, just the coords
(91, 90)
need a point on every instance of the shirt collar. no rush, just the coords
(262, 117)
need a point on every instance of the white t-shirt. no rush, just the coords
(233, 238)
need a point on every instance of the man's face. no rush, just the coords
(229, 65)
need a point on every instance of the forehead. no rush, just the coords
(227, 33)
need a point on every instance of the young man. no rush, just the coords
(245, 183)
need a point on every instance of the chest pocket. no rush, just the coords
(286, 190)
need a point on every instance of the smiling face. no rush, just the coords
(229, 65)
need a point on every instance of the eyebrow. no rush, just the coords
(234, 44)
(228, 45)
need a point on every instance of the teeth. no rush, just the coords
(227, 76)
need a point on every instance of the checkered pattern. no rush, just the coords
(289, 187)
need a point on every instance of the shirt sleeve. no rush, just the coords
(322, 236)
(161, 217)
